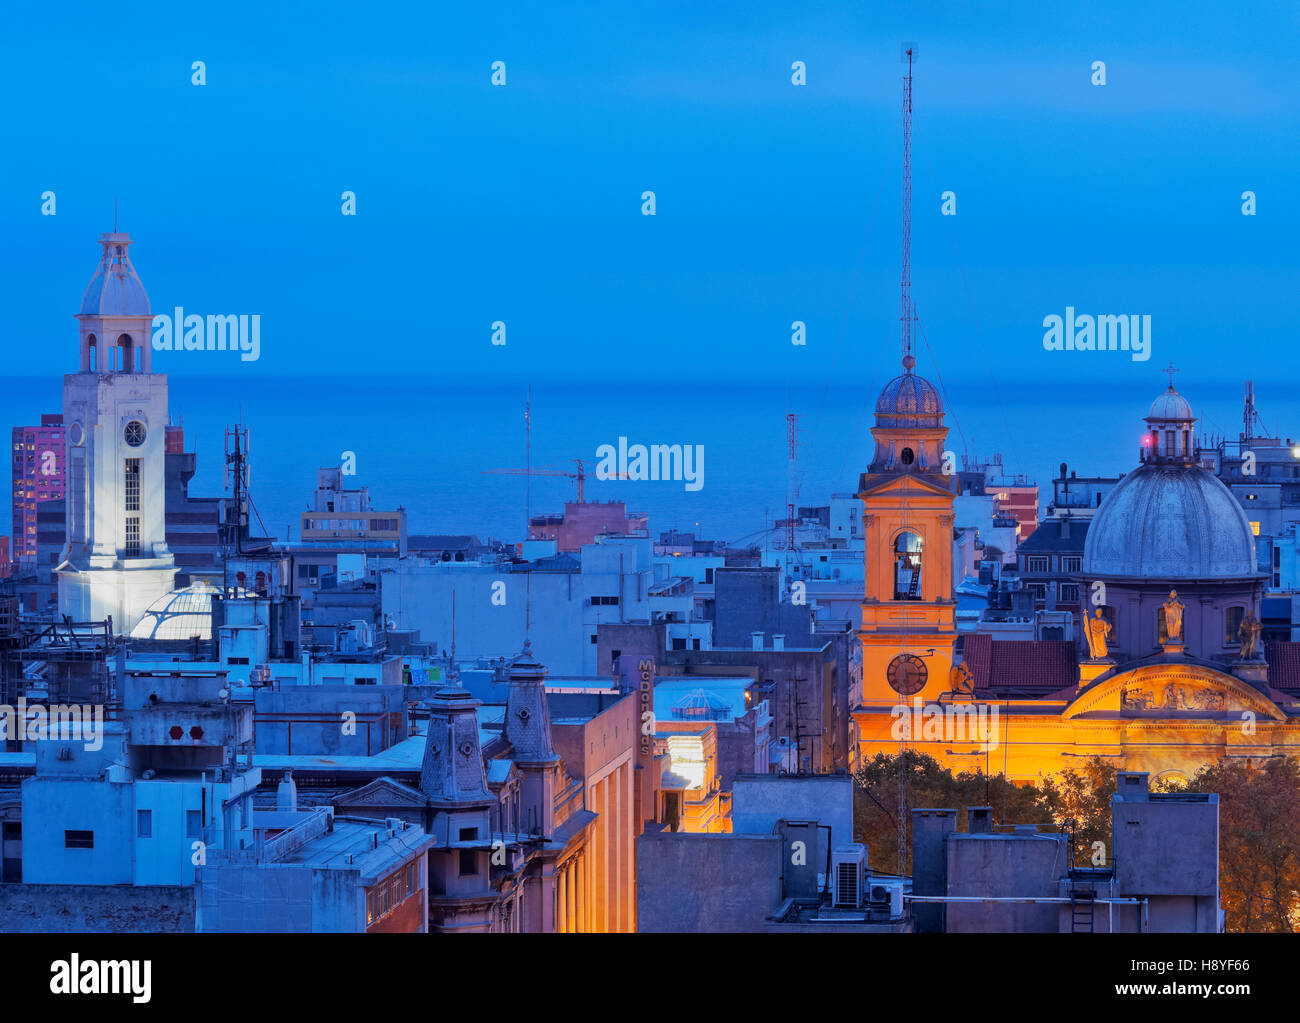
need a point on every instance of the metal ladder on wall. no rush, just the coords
(1082, 904)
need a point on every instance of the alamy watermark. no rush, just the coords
(1085, 333)
(38, 721)
(679, 462)
(946, 722)
(194, 333)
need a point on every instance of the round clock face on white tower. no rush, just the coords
(76, 434)
(134, 433)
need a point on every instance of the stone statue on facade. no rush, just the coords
(1173, 616)
(1248, 633)
(1097, 631)
(960, 679)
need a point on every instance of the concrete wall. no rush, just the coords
(700, 884)
(95, 909)
(418, 597)
(1167, 849)
(312, 718)
(1005, 865)
(748, 600)
(65, 804)
(758, 801)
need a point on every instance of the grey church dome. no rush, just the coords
(909, 400)
(115, 290)
(1170, 405)
(1170, 521)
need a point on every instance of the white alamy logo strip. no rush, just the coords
(212, 333)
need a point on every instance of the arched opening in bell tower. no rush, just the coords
(126, 354)
(907, 566)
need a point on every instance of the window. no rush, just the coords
(1162, 630)
(132, 536)
(1071, 564)
(1254, 528)
(468, 834)
(132, 488)
(1038, 564)
(1069, 593)
(134, 433)
(1039, 590)
(1231, 623)
(78, 840)
(236, 660)
(907, 567)
(468, 863)
(193, 823)
(604, 602)
(144, 823)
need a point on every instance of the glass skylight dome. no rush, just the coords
(181, 614)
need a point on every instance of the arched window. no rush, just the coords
(907, 566)
(1162, 630)
(92, 351)
(1232, 617)
(126, 354)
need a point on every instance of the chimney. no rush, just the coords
(1065, 527)
(778, 642)
(757, 638)
(979, 820)
(1131, 786)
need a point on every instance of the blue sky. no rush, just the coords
(775, 203)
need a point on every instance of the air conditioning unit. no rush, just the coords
(848, 875)
(890, 892)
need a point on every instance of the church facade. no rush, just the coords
(1170, 676)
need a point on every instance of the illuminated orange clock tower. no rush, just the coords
(908, 609)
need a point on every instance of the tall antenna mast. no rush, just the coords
(528, 461)
(909, 52)
(792, 439)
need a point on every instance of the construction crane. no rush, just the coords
(579, 477)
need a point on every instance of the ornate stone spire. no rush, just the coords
(528, 721)
(452, 771)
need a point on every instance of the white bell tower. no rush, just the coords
(116, 562)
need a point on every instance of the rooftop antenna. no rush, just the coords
(1248, 414)
(528, 605)
(452, 673)
(115, 214)
(909, 360)
(528, 461)
(792, 438)
(909, 54)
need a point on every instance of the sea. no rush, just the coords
(432, 444)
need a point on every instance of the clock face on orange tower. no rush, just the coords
(907, 674)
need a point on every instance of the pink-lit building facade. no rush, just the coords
(583, 521)
(38, 475)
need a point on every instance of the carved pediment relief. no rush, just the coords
(382, 792)
(1173, 690)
